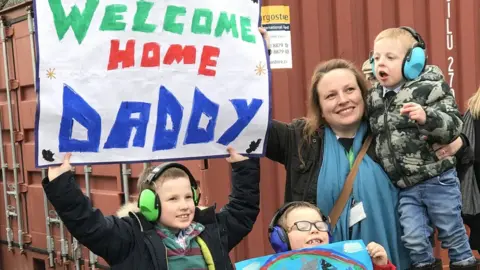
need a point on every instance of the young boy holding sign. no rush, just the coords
(168, 231)
(299, 224)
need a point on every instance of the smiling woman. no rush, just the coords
(341, 101)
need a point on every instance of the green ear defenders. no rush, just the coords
(149, 201)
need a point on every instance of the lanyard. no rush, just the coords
(351, 157)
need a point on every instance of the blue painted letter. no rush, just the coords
(201, 105)
(76, 108)
(167, 105)
(122, 129)
(245, 113)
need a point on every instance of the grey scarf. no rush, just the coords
(468, 186)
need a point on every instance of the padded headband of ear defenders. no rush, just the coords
(157, 171)
(281, 210)
(415, 35)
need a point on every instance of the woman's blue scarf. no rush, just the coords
(372, 187)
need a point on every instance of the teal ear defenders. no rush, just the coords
(149, 201)
(415, 60)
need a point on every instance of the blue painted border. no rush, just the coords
(37, 114)
(269, 70)
(37, 79)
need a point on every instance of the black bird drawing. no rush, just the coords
(253, 146)
(47, 155)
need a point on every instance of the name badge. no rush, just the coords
(357, 214)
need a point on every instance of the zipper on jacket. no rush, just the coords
(389, 140)
(220, 238)
(151, 249)
(315, 170)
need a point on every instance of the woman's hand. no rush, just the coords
(448, 150)
(234, 156)
(54, 172)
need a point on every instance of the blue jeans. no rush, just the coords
(435, 201)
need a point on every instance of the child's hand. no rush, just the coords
(54, 172)
(234, 156)
(415, 112)
(378, 254)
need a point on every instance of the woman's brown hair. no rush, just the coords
(314, 117)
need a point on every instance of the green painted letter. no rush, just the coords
(143, 9)
(171, 16)
(225, 25)
(246, 31)
(198, 28)
(112, 19)
(80, 22)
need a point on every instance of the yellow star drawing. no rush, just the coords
(260, 69)
(51, 73)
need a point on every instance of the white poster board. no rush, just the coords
(131, 81)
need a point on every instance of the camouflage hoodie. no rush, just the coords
(405, 148)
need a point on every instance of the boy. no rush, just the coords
(305, 227)
(411, 109)
(168, 231)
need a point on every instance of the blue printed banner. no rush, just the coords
(348, 255)
(130, 81)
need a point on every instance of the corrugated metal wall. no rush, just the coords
(321, 29)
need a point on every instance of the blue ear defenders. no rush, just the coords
(415, 60)
(278, 237)
(149, 201)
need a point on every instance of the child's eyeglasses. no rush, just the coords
(306, 226)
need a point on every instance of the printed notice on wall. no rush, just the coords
(276, 20)
(132, 81)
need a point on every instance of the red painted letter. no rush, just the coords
(154, 59)
(207, 61)
(126, 57)
(178, 53)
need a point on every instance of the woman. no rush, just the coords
(470, 181)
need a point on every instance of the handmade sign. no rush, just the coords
(350, 255)
(129, 81)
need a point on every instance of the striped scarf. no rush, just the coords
(183, 250)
